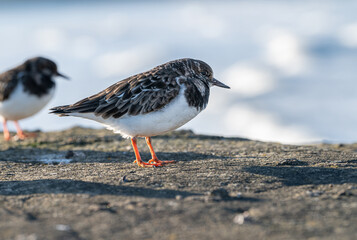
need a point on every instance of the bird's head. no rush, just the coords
(204, 72)
(43, 66)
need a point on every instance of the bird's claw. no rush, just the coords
(146, 165)
(157, 161)
(23, 136)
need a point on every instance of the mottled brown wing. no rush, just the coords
(8, 82)
(139, 94)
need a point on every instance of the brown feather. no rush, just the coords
(147, 92)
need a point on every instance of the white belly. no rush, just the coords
(172, 116)
(21, 104)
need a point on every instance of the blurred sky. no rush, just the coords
(291, 64)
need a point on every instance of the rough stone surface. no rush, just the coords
(82, 184)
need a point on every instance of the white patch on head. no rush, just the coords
(172, 116)
(21, 104)
(180, 80)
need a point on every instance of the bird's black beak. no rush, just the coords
(217, 83)
(61, 75)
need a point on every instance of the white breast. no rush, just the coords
(172, 116)
(21, 104)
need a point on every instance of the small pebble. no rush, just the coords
(291, 162)
(220, 192)
(69, 154)
(241, 218)
(62, 227)
(172, 204)
(314, 193)
(124, 179)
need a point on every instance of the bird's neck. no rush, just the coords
(197, 94)
(38, 84)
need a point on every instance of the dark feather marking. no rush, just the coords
(120, 114)
(8, 82)
(147, 92)
(194, 96)
(26, 74)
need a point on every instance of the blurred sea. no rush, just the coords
(291, 64)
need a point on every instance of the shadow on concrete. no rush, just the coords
(66, 186)
(295, 176)
(41, 155)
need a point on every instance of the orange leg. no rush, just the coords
(153, 155)
(138, 158)
(20, 133)
(6, 130)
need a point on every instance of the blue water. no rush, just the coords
(291, 64)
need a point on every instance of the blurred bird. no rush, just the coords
(25, 90)
(150, 103)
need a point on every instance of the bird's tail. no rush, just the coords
(87, 105)
(61, 110)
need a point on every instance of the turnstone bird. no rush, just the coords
(25, 90)
(150, 103)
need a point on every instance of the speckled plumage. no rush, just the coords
(30, 75)
(26, 89)
(147, 92)
(150, 103)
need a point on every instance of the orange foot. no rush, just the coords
(22, 136)
(144, 164)
(7, 136)
(157, 161)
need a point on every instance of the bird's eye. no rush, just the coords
(47, 71)
(205, 73)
